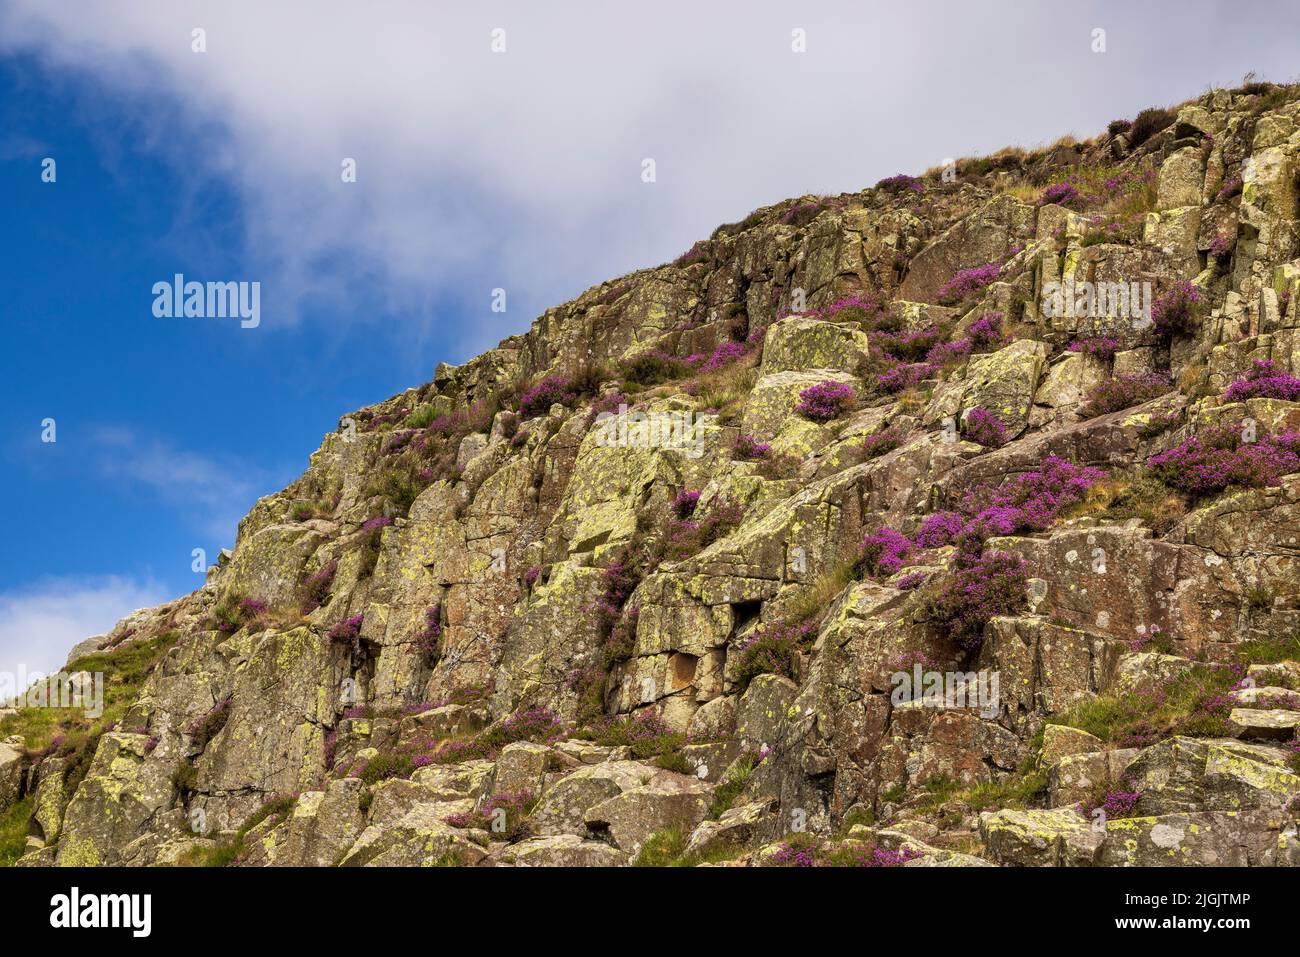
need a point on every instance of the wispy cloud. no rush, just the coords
(40, 622)
(214, 493)
(523, 169)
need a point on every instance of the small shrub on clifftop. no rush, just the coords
(991, 585)
(1265, 380)
(1177, 311)
(1123, 392)
(1147, 124)
(770, 649)
(538, 399)
(826, 400)
(1217, 458)
(985, 428)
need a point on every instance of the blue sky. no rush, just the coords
(475, 171)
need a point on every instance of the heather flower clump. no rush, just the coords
(376, 523)
(771, 649)
(538, 399)
(745, 446)
(1265, 380)
(1099, 347)
(826, 400)
(985, 428)
(940, 529)
(908, 346)
(428, 640)
(884, 551)
(902, 377)
(901, 183)
(1029, 502)
(880, 443)
(724, 355)
(992, 584)
(949, 353)
(346, 629)
(807, 850)
(684, 503)
(1176, 312)
(986, 330)
(1114, 805)
(1123, 392)
(911, 581)
(1060, 193)
(1217, 458)
(967, 282)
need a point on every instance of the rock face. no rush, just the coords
(834, 540)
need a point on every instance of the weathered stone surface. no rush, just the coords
(521, 767)
(122, 791)
(1076, 778)
(1208, 839)
(763, 707)
(13, 767)
(977, 240)
(561, 850)
(736, 828)
(667, 800)
(1060, 838)
(1060, 742)
(798, 343)
(563, 807)
(1271, 724)
(420, 839)
(321, 827)
(1213, 774)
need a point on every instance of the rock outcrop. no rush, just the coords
(835, 541)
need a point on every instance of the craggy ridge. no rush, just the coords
(837, 540)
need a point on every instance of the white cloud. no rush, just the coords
(214, 493)
(522, 169)
(41, 622)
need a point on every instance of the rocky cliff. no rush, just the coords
(950, 522)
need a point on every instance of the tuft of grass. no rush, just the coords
(1193, 704)
(14, 825)
(813, 602)
(727, 388)
(663, 849)
(1133, 494)
(397, 764)
(731, 786)
(939, 790)
(1023, 789)
(1268, 651)
(667, 848)
(230, 850)
(421, 417)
